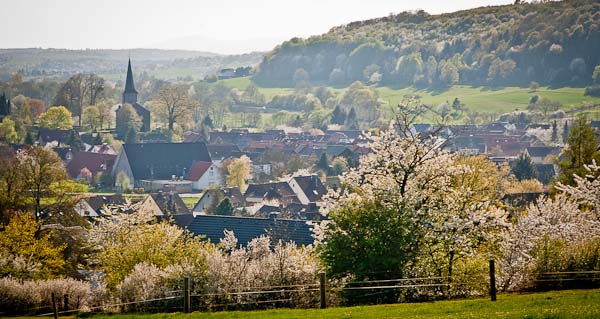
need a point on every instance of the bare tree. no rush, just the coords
(175, 104)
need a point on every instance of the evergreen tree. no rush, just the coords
(75, 142)
(565, 133)
(225, 207)
(351, 120)
(581, 149)
(208, 122)
(4, 105)
(98, 139)
(29, 139)
(456, 104)
(131, 137)
(523, 168)
(338, 116)
(554, 132)
(323, 163)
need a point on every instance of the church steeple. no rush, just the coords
(130, 94)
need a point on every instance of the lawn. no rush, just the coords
(558, 304)
(481, 99)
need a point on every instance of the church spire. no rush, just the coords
(130, 94)
(129, 87)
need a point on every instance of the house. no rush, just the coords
(210, 195)
(226, 73)
(96, 205)
(539, 153)
(545, 173)
(103, 149)
(46, 135)
(219, 152)
(276, 191)
(308, 189)
(94, 162)
(212, 228)
(163, 204)
(130, 97)
(159, 165)
(203, 175)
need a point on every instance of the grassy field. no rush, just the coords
(479, 99)
(560, 304)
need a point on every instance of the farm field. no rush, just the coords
(556, 304)
(479, 99)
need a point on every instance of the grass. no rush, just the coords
(557, 304)
(479, 99)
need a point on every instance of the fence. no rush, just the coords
(284, 295)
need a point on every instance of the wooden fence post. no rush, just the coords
(66, 302)
(322, 290)
(54, 309)
(492, 280)
(186, 294)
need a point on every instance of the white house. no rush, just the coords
(204, 174)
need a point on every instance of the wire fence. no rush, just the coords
(315, 294)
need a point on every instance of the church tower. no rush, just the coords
(130, 94)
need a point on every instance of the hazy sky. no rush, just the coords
(224, 26)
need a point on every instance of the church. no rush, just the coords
(130, 97)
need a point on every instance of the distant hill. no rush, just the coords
(552, 43)
(36, 62)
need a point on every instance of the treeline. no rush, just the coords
(552, 43)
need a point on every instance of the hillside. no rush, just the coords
(164, 64)
(552, 43)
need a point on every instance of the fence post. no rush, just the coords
(322, 290)
(65, 302)
(54, 310)
(492, 280)
(186, 294)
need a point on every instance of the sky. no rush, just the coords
(221, 26)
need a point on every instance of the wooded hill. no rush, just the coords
(552, 43)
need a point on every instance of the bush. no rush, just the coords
(593, 90)
(34, 296)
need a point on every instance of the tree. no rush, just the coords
(37, 107)
(554, 137)
(363, 99)
(534, 86)
(7, 130)
(449, 73)
(126, 119)
(523, 168)
(301, 80)
(94, 87)
(596, 74)
(225, 207)
(71, 95)
(546, 105)
(131, 137)
(581, 149)
(25, 253)
(75, 142)
(338, 116)
(323, 164)
(91, 118)
(238, 171)
(351, 120)
(56, 117)
(565, 133)
(174, 104)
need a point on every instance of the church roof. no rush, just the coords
(129, 87)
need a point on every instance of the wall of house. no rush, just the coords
(122, 165)
(210, 177)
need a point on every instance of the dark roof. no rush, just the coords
(181, 220)
(542, 151)
(269, 190)
(246, 229)
(162, 160)
(129, 87)
(170, 203)
(222, 151)
(97, 202)
(48, 135)
(545, 173)
(95, 162)
(311, 186)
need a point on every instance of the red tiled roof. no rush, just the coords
(95, 162)
(197, 171)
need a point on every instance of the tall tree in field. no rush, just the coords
(56, 117)
(238, 171)
(174, 104)
(581, 149)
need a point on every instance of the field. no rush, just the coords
(558, 304)
(479, 99)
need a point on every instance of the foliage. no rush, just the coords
(173, 104)
(238, 171)
(127, 118)
(225, 207)
(122, 241)
(7, 130)
(56, 117)
(581, 149)
(523, 168)
(25, 254)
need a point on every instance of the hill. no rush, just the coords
(552, 43)
(164, 64)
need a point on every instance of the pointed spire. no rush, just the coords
(129, 87)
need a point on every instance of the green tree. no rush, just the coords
(523, 168)
(75, 142)
(238, 171)
(127, 118)
(596, 74)
(131, 137)
(338, 116)
(554, 137)
(225, 207)
(91, 118)
(351, 120)
(534, 86)
(7, 130)
(449, 73)
(173, 104)
(581, 149)
(25, 253)
(323, 164)
(56, 117)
